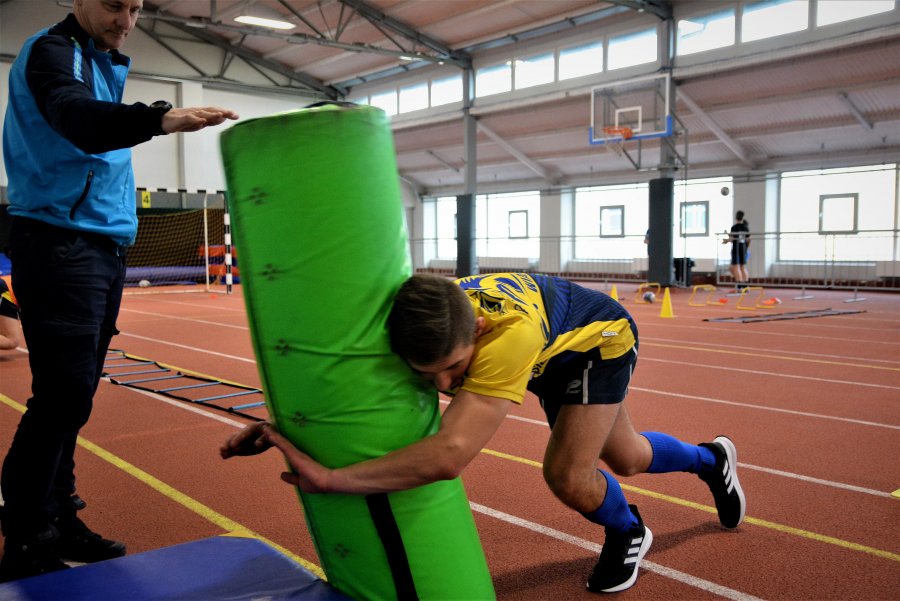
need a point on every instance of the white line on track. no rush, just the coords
(650, 566)
(764, 408)
(768, 350)
(543, 530)
(169, 317)
(768, 373)
(750, 466)
(830, 339)
(190, 348)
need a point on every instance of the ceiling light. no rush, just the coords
(263, 22)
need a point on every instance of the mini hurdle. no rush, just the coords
(646, 286)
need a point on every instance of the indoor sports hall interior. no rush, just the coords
(611, 142)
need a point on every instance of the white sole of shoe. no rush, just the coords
(645, 546)
(731, 454)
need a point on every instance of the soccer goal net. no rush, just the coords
(179, 250)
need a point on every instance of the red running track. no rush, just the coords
(812, 405)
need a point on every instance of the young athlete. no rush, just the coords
(487, 339)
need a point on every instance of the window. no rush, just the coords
(774, 17)
(829, 12)
(630, 50)
(386, 101)
(413, 98)
(594, 239)
(837, 213)
(612, 222)
(535, 70)
(445, 91)
(705, 32)
(695, 218)
(580, 61)
(518, 224)
(855, 224)
(493, 80)
(507, 224)
(446, 227)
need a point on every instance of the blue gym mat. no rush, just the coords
(213, 569)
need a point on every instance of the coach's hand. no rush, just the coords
(252, 440)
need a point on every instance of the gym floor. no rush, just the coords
(811, 403)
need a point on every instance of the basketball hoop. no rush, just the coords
(615, 137)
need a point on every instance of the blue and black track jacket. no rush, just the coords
(67, 137)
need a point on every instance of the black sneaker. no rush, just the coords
(79, 543)
(622, 552)
(23, 558)
(723, 482)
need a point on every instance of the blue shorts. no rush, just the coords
(583, 379)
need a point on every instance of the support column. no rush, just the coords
(466, 257)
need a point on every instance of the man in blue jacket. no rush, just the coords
(67, 142)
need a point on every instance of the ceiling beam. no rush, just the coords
(660, 8)
(714, 127)
(199, 29)
(376, 17)
(515, 152)
(857, 114)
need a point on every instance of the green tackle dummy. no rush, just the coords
(318, 221)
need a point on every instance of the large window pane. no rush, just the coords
(580, 61)
(813, 204)
(414, 98)
(837, 11)
(445, 91)
(493, 80)
(604, 202)
(772, 18)
(386, 101)
(705, 32)
(634, 49)
(500, 221)
(534, 70)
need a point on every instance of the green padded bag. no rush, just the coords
(318, 221)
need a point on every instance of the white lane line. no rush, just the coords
(769, 373)
(186, 347)
(650, 566)
(779, 351)
(764, 408)
(169, 317)
(758, 468)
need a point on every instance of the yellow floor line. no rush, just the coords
(231, 527)
(747, 520)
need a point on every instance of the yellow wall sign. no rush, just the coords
(145, 199)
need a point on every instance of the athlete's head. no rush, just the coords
(432, 326)
(739, 216)
(108, 22)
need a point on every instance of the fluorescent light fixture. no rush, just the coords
(263, 22)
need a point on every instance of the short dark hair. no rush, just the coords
(739, 216)
(430, 318)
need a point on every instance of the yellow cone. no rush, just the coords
(666, 310)
(614, 293)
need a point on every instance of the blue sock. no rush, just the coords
(614, 511)
(672, 455)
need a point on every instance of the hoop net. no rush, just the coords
(615, 137)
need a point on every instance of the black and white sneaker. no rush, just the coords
(723, 482)
(620, 556)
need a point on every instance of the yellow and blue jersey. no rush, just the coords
(531, 319)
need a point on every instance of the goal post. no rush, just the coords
(181, 250)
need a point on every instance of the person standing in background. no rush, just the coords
(67, 141)
(739, 236)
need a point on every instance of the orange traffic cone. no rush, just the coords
(666, 310)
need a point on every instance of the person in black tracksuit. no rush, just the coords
(67, 141)
(739, 236)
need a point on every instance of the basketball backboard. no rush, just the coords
(641, 106)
